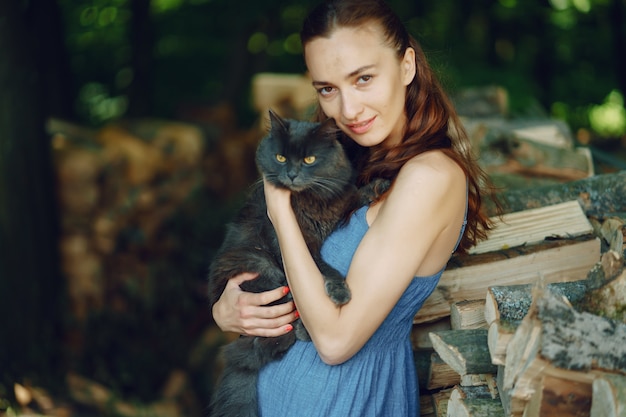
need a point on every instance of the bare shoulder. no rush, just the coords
(432, 170)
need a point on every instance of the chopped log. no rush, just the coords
(440, 402)
(513, 407)
(290, 95)
(532, 226)
(420, 338)
(426, 406)
(440, 374)
(570, 340)
(480, 102)
(613, 232)
(473, 402)
(421, 359)
(510, 303)
(93, 394)
(609, 300)
(467, 277)
(468, 314)
(599, 195)
(608, 396)
(556, 341)
(506, 306)
(561, 397)
(465, 351)
(498, 338)
(529, 158)
(475, 380)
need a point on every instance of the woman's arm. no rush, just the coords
(419, 220)
(246, 313)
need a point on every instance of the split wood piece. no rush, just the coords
(465, 351)
(426, 406)
(473, 402)
(421, 359)
(513, 407)
(93, 394)
(420, 338)
(532, 226)
(498, 338)
(506, 306)
(440, 402)
(277, 91)
(481, 102)
(467, 277)
(468, 314)
(509, 304)
(556, 396)
(557, 341)
(599, 195)
(609, 396)
(551, 132)
(609, 300)
(516, 155)
(475, 380)
(440, 374)
(612, 230)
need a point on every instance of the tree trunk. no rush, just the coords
(30, 283)
(142, 46)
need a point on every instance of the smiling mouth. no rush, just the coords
(362, 127)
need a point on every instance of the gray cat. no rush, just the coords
(308, 159)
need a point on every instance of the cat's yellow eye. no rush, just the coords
(280, 158)
(309, 160)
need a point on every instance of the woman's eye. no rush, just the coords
(309, 160)
(280, 158)
(363, 79)
(325, 91)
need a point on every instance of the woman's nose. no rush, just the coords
(351, 106)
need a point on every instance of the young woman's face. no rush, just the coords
(361, 83)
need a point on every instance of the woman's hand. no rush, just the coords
(278, 201)
(246, 313)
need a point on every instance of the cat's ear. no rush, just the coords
(329, 127)
(276, 122)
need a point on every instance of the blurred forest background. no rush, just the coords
(144, 109)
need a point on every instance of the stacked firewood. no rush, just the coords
(117, 187)
(533, 345)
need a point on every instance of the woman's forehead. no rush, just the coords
(346, 50)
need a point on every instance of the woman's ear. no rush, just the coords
(408, 66)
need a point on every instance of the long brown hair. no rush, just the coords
(432, 119)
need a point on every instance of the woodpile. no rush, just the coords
(117, 188)
(537, 343)
(130, 194)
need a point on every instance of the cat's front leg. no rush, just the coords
(334, 283)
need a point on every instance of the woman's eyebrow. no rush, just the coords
(350, 75)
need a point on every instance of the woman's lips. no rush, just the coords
(361, 127)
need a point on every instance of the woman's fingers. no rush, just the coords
(271, 327)
(249, 299)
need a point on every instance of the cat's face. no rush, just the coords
(304, 156)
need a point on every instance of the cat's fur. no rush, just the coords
(322, 193)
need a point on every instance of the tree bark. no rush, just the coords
(142, 46)
(30, 283)
(599, 195)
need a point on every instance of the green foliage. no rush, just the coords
(207, 50)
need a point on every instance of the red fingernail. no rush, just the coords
(297, 314)
(288, 328)
(285, 290)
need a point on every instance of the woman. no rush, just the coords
(373, 79)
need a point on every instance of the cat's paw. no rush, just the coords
(338, 292)
(301, 332)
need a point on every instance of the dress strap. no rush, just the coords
(464, 217)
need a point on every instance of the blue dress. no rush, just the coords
(378, 381)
